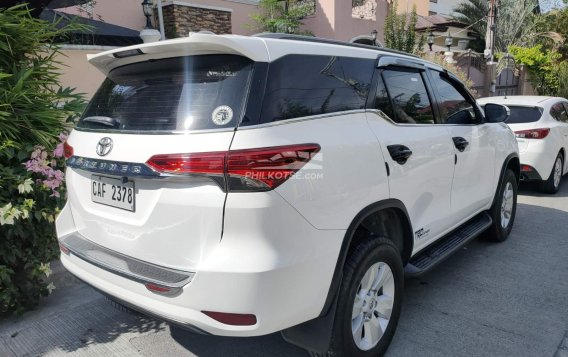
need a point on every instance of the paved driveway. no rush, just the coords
(508, 299)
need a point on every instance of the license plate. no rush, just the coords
(113, 192)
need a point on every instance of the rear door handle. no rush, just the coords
(460, 143)
(399, 153)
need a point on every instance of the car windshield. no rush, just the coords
(172, 94)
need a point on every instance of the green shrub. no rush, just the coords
(31, 194)
(34, 111)
(400, 30)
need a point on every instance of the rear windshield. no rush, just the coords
(520, 115)
(173, 94)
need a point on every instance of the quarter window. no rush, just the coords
(558, 112)
(409, 98)
(302, 85)
(454, 107)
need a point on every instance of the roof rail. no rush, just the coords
(285, 36)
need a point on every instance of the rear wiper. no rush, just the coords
(108, 121)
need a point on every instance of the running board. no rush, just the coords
(442, 249)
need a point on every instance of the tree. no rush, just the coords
(555, 25)
(400, 30)
(543, 67)
(33, 113)
(281, 16)
(516, 21)
(33, 106)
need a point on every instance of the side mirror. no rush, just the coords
(496, 113)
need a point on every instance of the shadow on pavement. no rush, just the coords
(532, 189)
(212, 346)
(478, 302)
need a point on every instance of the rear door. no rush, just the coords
(417, 151)
(474, 146)
(155, 209)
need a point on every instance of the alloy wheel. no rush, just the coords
(372, 307)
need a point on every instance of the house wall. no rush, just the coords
(128, 13)
(180, 20)
(443, 7)
(422, 6)
(125, 13)
(240, 12)
(347, 26)
(76, 72)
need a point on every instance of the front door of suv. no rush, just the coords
(474, 146)
(418, 152)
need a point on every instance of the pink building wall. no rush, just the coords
(332, 19)
(125, 13)
(128, 13)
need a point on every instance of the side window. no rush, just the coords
(409, 98)
(454, 107)
(558, 112)
(382, 100)
(303, 85)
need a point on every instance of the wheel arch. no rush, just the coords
(375, 218)
(315, 335)
(512, 163)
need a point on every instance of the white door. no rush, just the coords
(419, 153)
(474, 147)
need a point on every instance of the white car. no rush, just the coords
(239, 186)
(541, 127)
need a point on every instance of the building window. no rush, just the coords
(364, 9)
(432, 13)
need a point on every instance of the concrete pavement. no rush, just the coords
(508, 299)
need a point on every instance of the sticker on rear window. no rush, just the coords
(222, 115)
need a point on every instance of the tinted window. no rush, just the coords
(454, 107)
(558, 112)
(382, 100)
(194, 92)
(520, 115)
(408, 96)
(299, 86)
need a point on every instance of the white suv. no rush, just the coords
(239, 186)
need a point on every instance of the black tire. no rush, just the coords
(497, 232)
(365, 254)
(549, 186)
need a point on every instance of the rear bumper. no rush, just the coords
(271, 263)
(540, 155)
(530, 175)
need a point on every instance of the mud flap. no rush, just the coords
(314, 335)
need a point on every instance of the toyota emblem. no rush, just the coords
(104, 146)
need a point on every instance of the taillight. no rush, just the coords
(67, 150)
(248, 170)
(267, 168)
(63, 249)
(210, 163)
(526, 168)
(533, 133)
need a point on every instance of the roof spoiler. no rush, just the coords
(194, 44)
